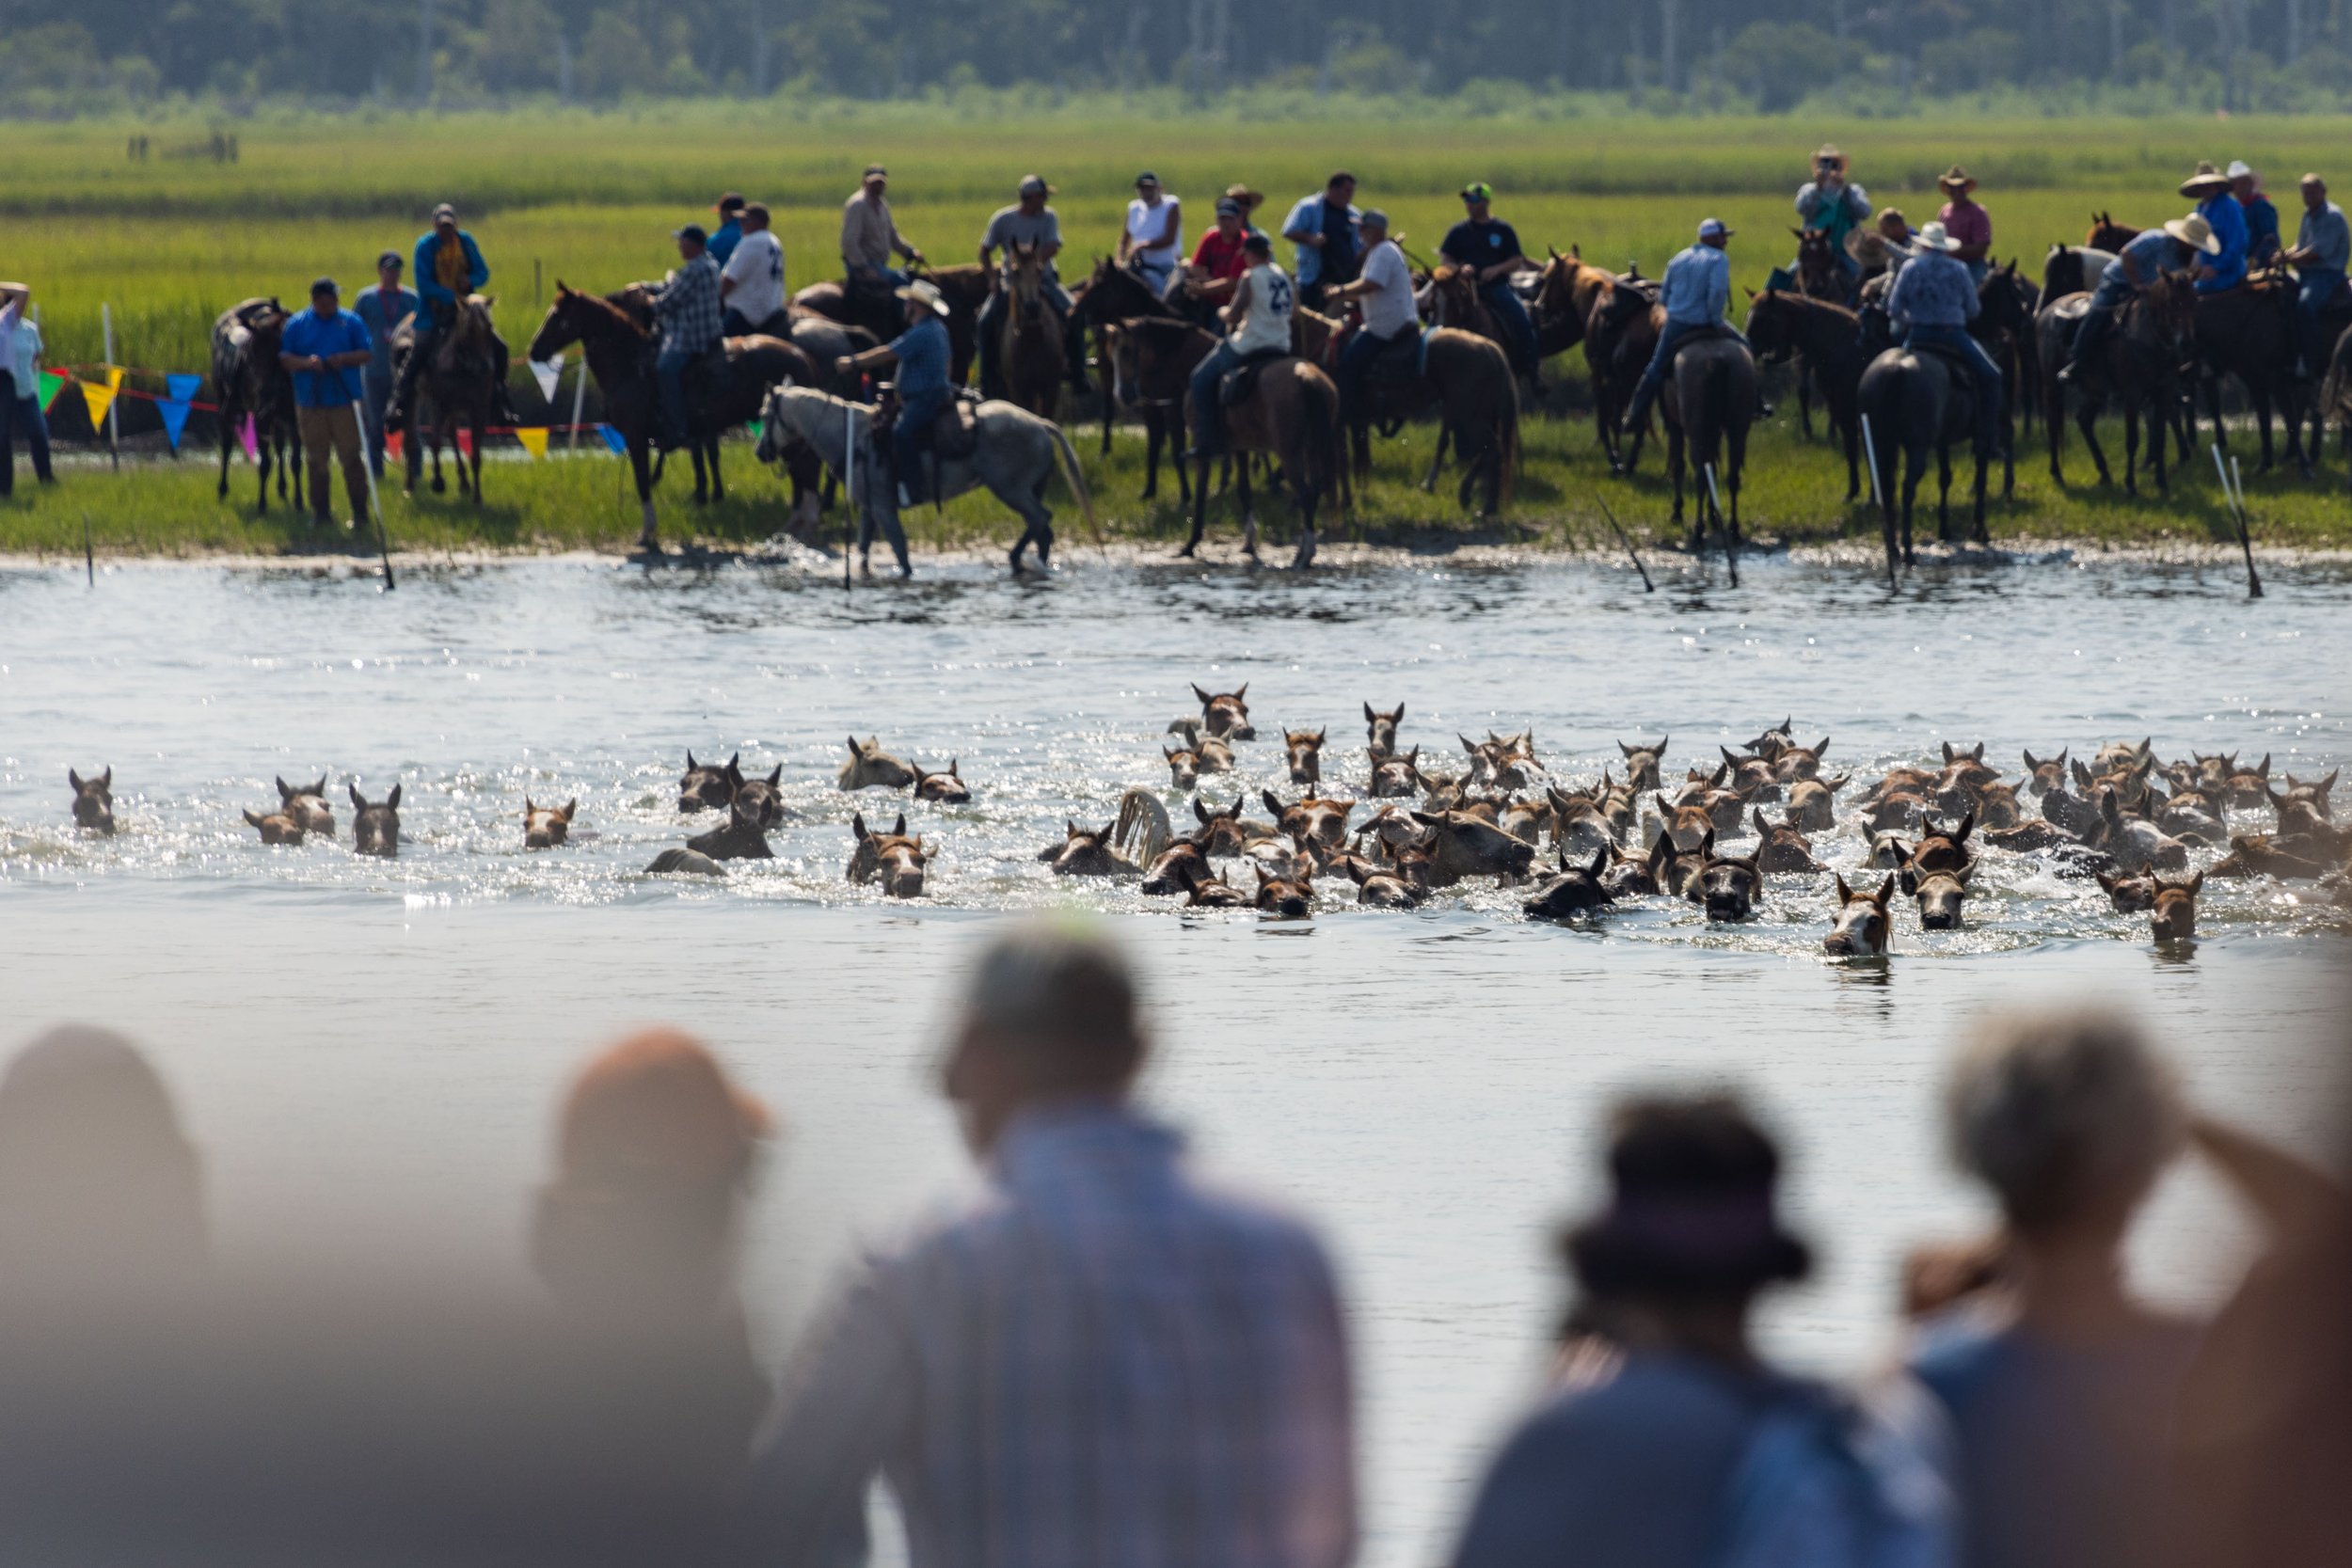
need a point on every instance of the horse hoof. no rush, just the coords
(439, 487)
(1184, 554)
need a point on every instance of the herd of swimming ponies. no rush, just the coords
(2124, 820)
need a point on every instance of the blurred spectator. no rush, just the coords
(20, 359)
(1671, 1443)
(13, 298)
(1101, 1361)
(381, 307)
(2060, 1387)
(101, 1195)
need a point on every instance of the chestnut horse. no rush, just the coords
(1618, 338)
(1031, 353)
(1291, 412)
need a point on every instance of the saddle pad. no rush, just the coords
(2073, 308)
(1242, 380)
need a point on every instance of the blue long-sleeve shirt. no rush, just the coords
(429, 285)
(2229, 227)
(379, 312)
(1932, 290)
(1697, 286)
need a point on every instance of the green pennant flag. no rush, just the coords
(51, 383)
(757, 427)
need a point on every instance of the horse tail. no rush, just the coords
(1077, 480)
(2331, 394)
(1506, 434)
(1323, 407)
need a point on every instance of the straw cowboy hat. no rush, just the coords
(2194, 232)
(1829, 155)
(1931, 237)
(1243, 194)
(2207, 180)
(923, 292)
(1958, 179)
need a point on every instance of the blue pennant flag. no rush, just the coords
(175, 413)
(183, 388)
(613, 439)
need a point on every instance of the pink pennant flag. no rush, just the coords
(245, 433)
(465, 440)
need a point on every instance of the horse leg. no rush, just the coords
(1805, 399)
(648, 537)
(2086, 420)
(1199, 504)
(2131, 447)
(1982, 538)
(1445, 435)
(1943, 492)
(228, 440)
(2156, 447)
(475, 462)
(2054, 425)
(1248, 507)
(1735, 447)
(1914, 470)
(718, 486)
(2263, 401)
(1853, 458)
(440, 433)
(262, 464)
(1674, 471)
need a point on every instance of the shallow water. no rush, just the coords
(391, 1034)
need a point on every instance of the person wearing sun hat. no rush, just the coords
(2168, 248)
(2262, 215)
(1965, 221)
(921, 356)
(2210, 189)
(1931, 306)
(1488, 249)
(1831, 202)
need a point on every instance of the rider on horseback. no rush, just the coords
(686, 307)
(920, 353)
(1488, 249)
(2323, 247)
(1028, 222)
(2210, 189)
(2154, 252)
(1258, 322)
(868, 236)
(1695, 292)
(449, 266)
(750, 280)
(1219, 259)
(1830, 203)
(1391, 315)
(1931, 304)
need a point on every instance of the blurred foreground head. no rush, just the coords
(1692, 1216)
(101, 1195)
(656, 1150)
(1049, 1018)
(2068, 1116)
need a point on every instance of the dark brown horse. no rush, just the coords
(1110, 295)
(250, 383)
(1031, 354)
(1784, 324)
(1467, 380)
(620, 355)
(2248, 332)
(1914, 402)
(1152, 360)
(461, 381)
(2140, 367)
(964, 288)
(2108, 235)
(1618, 338)
(1709, 402)
(1291, 412)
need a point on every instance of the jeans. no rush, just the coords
(1208, 420)
(1510, 313)
(1661, 360)
(890, 276)
(1957, 341)
(2311, 297)
(2113, 290)
(669, 373)
(8, 445)
(989, 330)
(1355, 361)
(1977, 272)
(911, 434)
(35, 425)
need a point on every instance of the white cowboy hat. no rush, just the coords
(1931, 237)
(923, 292)
(2238, 169)
(2195, 232)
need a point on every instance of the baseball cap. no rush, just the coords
(691, 232)
(1228, 208)
(1373, 214)
(1255, 241)
(1478, 190)
(389, 258)
(324, 286)
(1712, 228)
(445, 210)
(1032, 184)
(874, 170)
(1146, 178)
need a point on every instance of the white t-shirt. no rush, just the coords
(1143, 222)
(1265, 322)
(1388, 308)
(757, 269)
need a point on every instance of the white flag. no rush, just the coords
(548, 372)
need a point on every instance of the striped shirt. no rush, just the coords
(1101, 1364)
(1934, 290)
(687, 306)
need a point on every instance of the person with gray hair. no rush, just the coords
(2060, 1387)
(1103, 1360)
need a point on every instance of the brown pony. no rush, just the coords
(1784, 325)
(963, 288)
(251, 384)
(1618, 338)
(2140, 368)
(1291, 411)
(462, 381)
(1564, 300)
(1031, 351)
(1467, 380)
(1820, 274)
(1709, 397)
(2106, 234)
(1152, 360)
(2248, 332)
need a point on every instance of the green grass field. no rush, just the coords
(591, 198)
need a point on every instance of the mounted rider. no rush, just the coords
(449, 266)
(2210, 189)
(1488, 249)
(921, 355)
(1029, 222)
(2262, 215)
(1695, 292)
(1219, 259)
(1152, 241)
(1327, 230)
(1258, 323)
(751, 281)
(1391, 315)
(868, 240)
(1965, 221)
(1831, 202)
(1931, 306)
(2153, 253)
(2323, 247)
(686, 308)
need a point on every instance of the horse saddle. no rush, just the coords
(1401, 358)
(1714, 332)
(2073, 308)
(1962, 370)
(1242, 380)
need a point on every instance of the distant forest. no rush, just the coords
(1858, 57)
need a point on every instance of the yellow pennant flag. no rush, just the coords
(534, 439)
(98, 399)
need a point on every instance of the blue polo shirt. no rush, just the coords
(922, 351)
(310, 334)
(724, 239)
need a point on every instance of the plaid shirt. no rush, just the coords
(1934, 291)
(687, 306)
(1100, 1366)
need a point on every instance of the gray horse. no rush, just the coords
(1015, 456)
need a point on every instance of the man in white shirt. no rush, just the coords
(1385, 287)
(1258, 322)
(750, 285)
(1154, 236)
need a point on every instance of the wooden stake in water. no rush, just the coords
(114, 420)
(2235, 496)
(375, 504)
(848, 486)
(1878, 494)
(1722, 529)
(89, 561)
(1648, 586)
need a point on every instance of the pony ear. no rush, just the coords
(898, 829)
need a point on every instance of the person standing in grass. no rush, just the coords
(13, 298)
(751, 281)
(20, 362)
(381, 307)
(322, 348)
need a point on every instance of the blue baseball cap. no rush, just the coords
(1712, 228)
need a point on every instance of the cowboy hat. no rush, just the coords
(1958, 176)
(2207, 180)
(1931, 237)
(923, 292)
(2194, 232)
(1244, 195)
(1829, 155)
(2239, 169)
